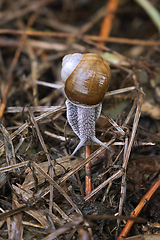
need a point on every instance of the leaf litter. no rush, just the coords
(40, 196)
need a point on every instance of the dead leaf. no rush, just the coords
(62, 164)
(152, 110)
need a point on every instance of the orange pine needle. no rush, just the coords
(137, 210)
(107, 21)
(88, 181)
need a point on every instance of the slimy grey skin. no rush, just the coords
(82, 120)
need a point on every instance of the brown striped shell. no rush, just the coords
(89, 81)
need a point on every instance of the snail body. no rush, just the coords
(86, 78)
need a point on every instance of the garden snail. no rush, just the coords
(86, 78)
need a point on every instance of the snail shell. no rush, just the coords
(86, 77)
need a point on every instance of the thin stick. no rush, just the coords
(12, 67)
(51, 174)
(89, 37)
(88, 180)
(108, 19)
(137, 210)
(123, 188)
(79, 183)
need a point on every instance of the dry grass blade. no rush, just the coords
(9, 149)
(12, 67)
(14, 166)
(144, 237)
(60, 165)
(39, 214)
(127, 150)
(99, 217)
(57, 187)
(10, 15)
(34, 109)
(66, 227)
(85, 38)
(15, 211)
(25, 125)
(47, 155)
(119, 91)
(134, 129)
(117, 175)
(16, 228)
